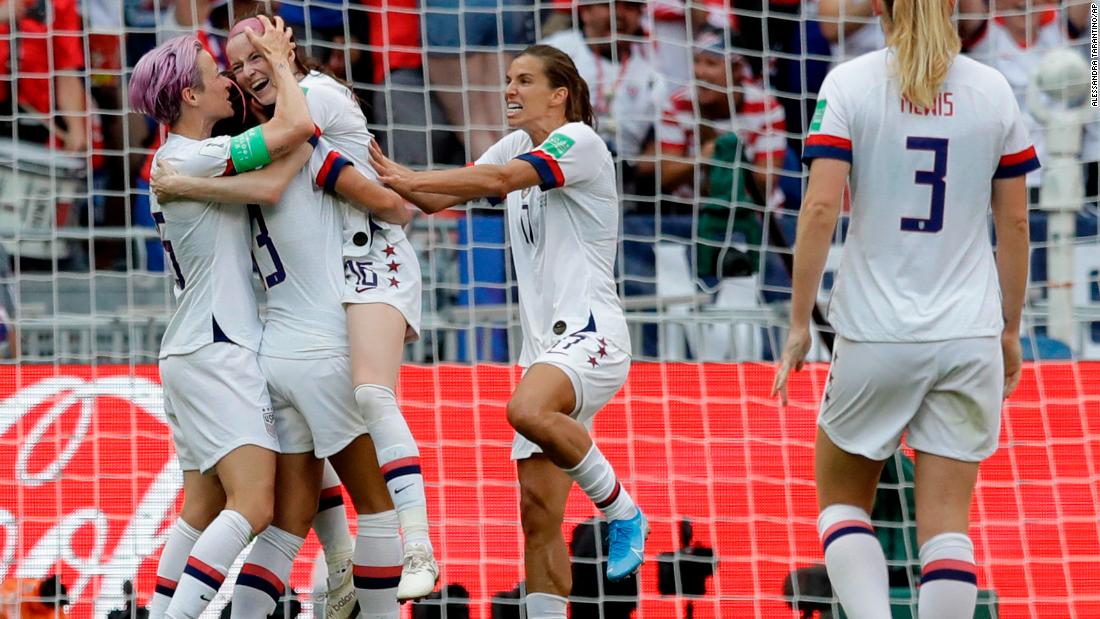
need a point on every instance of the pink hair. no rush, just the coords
(159, 78)
(251, 22)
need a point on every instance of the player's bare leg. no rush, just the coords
(203, 499)
(247, 475)
(854, 558)
(378, 551)
(540, 410)
(376, 332)
(944, 490)
(543, 490)
(266, 570)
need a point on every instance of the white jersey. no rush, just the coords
(207, 249)
(344, 127)
(564, 236)
(627, 96)
(918, 263)
(296, 247)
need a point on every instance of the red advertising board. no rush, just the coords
(88, 482)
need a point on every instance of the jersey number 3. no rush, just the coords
(933, 178)
(263, 241)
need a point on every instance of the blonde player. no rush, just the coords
(215, 395)
(558, 181)
(927, 319)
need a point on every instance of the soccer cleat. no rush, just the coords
(339, 601)
(419, 573)
(626, 541)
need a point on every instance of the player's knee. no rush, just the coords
(256, 504)
(200, 510)
(376, 401)
(527, 419)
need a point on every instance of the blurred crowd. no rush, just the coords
(702, 102)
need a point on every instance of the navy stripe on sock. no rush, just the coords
(845, 531)
(412, 469)
(202, 577)
(258, 583)
(330, 502)
(165, 590)
(948, 574)
(368, 582)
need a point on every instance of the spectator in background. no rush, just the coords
(675, 26)
(724, 99)
(48, 38)
(626, 89)
(851, 28)
(1012, 36)
(401, 99)
(469, 43)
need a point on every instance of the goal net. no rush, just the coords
(703, 104)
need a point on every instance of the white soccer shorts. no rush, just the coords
(596, 367)
(389, 274)
(314, 403)
(216, 401)
(946, 394)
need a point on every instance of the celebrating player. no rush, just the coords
(216, 398)
(305, 281)
(927, 319)
(558, 181)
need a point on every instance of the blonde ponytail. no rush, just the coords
(925, 42)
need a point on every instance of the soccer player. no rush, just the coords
(558, 181)
(927, 319)
(382, 298)
(216, 398)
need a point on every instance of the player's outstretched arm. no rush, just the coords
(291, 125)
(1010, 223)
(470, 183)
(371, 197)
(263, 187)
(426, 202)
(816, 222)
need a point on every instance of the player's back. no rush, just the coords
(208, 256)
(918, 262)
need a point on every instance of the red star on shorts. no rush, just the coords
(602, 342)
(390, 250)
(603, 351)
(592, 360)
(394, 282)
(393, 266)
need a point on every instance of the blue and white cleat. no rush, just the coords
(626, 539)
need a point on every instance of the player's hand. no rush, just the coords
(794, 357)
(1013, 359)
(274, 42)
(165, 183)
(383, 164)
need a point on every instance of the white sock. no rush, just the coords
(210, 559)
(331, 522)
(263, 577)
(596, 477)
(855, 562)
(378, 555)
(399, 458)
(545, 606)
(949, 579)
(181, 538)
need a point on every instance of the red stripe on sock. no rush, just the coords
(164, 582)
(843, 524)
(205, 569)
(611, 497)
(377, 571)
(400, 462)
(950, 564)
(329, 493)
